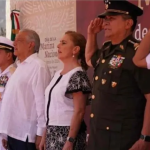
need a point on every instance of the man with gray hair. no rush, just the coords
(22, 111)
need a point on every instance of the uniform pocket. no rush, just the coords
(110, 80)
(112, 131)
(105, 124)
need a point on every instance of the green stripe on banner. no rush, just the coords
(13, 27)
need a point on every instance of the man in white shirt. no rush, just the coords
(22, 111)
(7, 67)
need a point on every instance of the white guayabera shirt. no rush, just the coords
(22, 111)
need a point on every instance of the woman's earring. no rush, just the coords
(73, 55)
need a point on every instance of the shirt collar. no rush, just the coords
(7, 69)
(28, 59)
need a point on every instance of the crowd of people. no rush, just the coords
(40, 112)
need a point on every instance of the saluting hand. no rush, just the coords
(141, 145)
(95, 26)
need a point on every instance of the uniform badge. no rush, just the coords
(3, 80)
(103, 81)
(12, 70)
(136, 46)
(113, 84)
(116, 61)
(122, 47)
(106, 6)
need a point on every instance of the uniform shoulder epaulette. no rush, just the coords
(106, 42)
(135, 43)
(12, 69)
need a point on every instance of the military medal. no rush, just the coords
(116, 61)
(103, 81)
(113, 84)
(3, 80)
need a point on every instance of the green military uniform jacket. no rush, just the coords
(118, 101)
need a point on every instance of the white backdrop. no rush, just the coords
(50, 19)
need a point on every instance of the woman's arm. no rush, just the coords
(79, 100)
(144, 49)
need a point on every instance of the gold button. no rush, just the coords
(92, 115)
(93, 96)
(110, 71)
(103, 81)
(113, 84)
(107, 128)
(96, 78)
(103, 60)
(122, 47)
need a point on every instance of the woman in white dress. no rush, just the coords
(66, 97)
(142, 56)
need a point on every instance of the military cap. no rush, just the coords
(6, 44)
(117, 7)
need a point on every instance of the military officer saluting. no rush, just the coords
(120, 111)
(7, 67)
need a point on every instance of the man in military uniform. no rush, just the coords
(7, 67)
(120, 117)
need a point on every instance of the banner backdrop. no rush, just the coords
(50, 19)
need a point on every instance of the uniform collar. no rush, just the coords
(8, 69)
(119, 47)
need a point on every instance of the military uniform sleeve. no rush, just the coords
(148, 61)
(95, 57)
(142, 76)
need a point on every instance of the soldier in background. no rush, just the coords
(7, 67)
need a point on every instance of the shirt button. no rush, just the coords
(103, 60)
(96, 78)
(92, 115)
(107, 128)
(93, 96)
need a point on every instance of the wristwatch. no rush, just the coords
(145, 138)
(70, 139)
